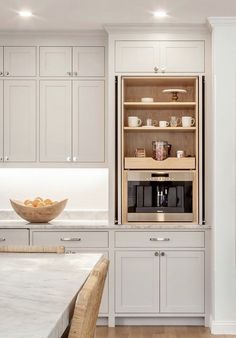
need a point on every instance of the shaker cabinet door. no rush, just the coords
(182, 56)
(55, 61)
(88, 121)
(137, 282)
(1, 121)
(88, 61)
(137, 56)
(19, 120)
(182, 282)
(55, 121)
(20, 61)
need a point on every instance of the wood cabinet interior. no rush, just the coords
(161, 109)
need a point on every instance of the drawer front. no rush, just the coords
(76, 239)
(14, 237)
(160, 239)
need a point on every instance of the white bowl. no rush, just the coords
(147, 99)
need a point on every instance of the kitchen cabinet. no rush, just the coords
(88, 61)
(182, 282)
(14, 237)
(72, 61)
(137, 282)
(55, 61)
(1, 61)
(88, 121)
(1, 121)
(19, 61)
(55, 121)
(159, 57)
(19, 120)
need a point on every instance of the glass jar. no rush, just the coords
(159, 150)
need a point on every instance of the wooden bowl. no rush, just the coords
(38, 215)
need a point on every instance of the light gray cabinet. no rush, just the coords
(55, 61)
(160, 56)
(19, 61)
(19, 120)
(14, 237)
(1, 61)
(1, 122)
(88, 61)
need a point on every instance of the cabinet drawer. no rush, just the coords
(14, 237)
(69, 239)
(160, 239)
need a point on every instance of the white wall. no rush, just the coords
(85, 188)
(224, 173)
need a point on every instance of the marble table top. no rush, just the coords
(36, 292)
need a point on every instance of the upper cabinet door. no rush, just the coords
(1, 121)
(1, 61)
(55, 121)
(137, 56)
(88, 61)
(182, 282)
(19, 120)
(55, 61)
(88, 121)
(182, 56)
(20, 61)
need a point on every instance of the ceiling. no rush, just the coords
(50, 15)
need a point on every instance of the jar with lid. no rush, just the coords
(160, 150)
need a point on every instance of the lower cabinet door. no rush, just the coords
(104, 307)
(137, 282)
(182, 282)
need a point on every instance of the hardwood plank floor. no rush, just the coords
(156, 332)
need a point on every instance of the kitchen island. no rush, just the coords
(38, 292)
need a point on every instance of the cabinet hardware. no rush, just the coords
(71, 239)
(74, 159)
(2, 239)
(156, 69)
(162, 254)
(1, 73)
(156, 253)
(6, 158)
(69, 73)
(75, 73)
(68, 159)
(163, 69)
(159, 239)
(1, 159)
(7, 73)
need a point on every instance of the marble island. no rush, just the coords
(37, 291)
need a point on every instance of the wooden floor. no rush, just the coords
(156, 332)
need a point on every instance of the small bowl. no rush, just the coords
(38, 215)
(147, 99)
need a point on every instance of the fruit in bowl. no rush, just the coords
(38, 210)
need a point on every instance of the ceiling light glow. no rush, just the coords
(25, 14)
(160, 14)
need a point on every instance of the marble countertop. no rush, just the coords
(37, 291)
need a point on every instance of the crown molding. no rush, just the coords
(218, 21)
(156, 28)
(72, 33)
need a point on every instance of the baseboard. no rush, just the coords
(102, 321)
(223, 327)
(198, 321)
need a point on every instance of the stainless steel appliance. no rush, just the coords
(164, 196)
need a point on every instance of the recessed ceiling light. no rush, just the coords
(160, 14)
(25, 14)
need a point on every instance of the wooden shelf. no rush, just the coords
(169, 163)
(159, 104)
(167, 129)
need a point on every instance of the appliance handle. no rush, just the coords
(159, 239)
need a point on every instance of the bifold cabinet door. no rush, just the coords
(19, 120)
(55, 61)
(88, 121)
(88, 61)
(137, 56)
(182, 282)
(19, 61)
(182, 56)
(137, 282)
(55, 121)
(1, 121)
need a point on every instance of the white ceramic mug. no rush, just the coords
(188, 121)
(134, 121)
(163, 124)
(151, 122)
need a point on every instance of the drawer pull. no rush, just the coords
(159, 239)
(71, 239)
(2, 239)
